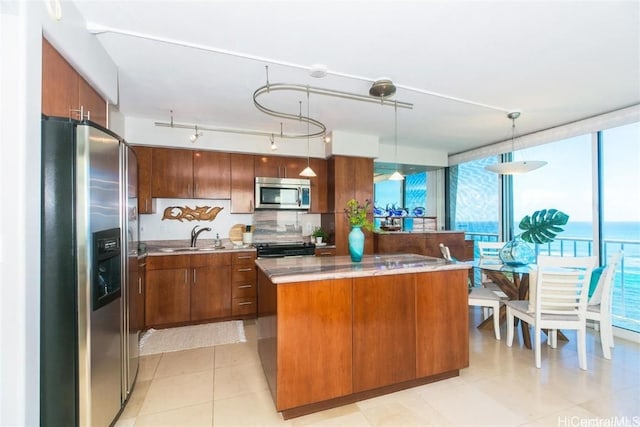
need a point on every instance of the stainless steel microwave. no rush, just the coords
(283, 193)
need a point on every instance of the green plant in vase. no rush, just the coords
(357, 217)
(538, 228)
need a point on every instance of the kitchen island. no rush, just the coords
(332, 332)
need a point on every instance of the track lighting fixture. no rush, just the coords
(274, 147)
(195, 136)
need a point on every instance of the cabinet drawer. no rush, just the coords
(167, 262)
(243, 258)
(243, 306)
(325, 252)
(243, 274)
(210, 260)
(243, 290)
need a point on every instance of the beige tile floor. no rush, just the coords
(224, 386)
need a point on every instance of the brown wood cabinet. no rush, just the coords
(347, 178)
(442, 334)
(190, 174)
(427, 243)
(243, 284)
(384, 331)
(187, 288)
(167, 293)
(211, 175)
(374, 335)
(279, 166)
(65, 92)
(321, 251)
(146, 204)
(242, 183)
(319, 192)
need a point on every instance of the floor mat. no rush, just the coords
(156, 341)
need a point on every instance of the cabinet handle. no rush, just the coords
(245, 303)
(245, 286)
(245, 257)
(146, 205)
(194, 276)
(245, 269)
(324, 253)
(139, 285)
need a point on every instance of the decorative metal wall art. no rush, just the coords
(200, 213)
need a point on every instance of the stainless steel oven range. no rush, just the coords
(284, 249)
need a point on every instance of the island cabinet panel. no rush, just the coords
(314, 342)
(242, 183)
(442, 334)
(384, 331)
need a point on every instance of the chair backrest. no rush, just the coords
(446, 254)
(602, 294)
(562, 285)
(489, 250)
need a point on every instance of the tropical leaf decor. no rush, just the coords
(543, 225)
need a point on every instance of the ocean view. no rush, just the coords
(577, 240)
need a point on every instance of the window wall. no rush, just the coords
(594, 178)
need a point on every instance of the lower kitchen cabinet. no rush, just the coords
(243, 285)
(184, 289)
(168, 294)
(210, 290)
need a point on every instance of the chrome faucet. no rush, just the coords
(195, 233)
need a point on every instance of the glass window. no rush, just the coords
(387, 194)
(565, 183)
(620, 161)
(474, 196)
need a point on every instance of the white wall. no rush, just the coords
(22, 25)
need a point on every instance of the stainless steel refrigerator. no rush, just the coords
(84, 260)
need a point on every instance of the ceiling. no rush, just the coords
(556, 61)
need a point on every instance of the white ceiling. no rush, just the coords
(557, 61)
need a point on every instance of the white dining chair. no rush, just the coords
(480, 297)
(561, 293)
(599, 304)
(489, 251)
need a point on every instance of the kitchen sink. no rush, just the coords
(190, 249)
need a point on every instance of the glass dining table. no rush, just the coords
(513, 280)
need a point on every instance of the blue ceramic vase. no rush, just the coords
(517, 252)
(356, 244)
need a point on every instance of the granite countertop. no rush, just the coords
(304, 269)
(181, 247)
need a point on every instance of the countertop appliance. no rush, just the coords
(85, 241)
(284, 249)
(282, 193)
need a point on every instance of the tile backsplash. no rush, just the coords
(267, 225)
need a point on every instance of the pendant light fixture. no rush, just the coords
(308, 172)
(396, 176)
(513, 167)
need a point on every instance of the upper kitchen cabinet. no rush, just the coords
(65, 93)
(279, 166)
(190, 174)
(211, 175)
(172, 173)
(242, 183)
(146, 204)
(319, 201)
